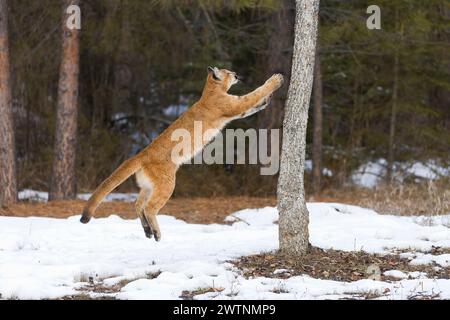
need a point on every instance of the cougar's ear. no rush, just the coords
(215, 73)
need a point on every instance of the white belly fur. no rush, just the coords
(143, 181)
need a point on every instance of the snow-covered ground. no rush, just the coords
(371, 173)
(50, 258)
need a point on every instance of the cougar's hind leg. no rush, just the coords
(156, 201)
(163, 186)
(142, 199)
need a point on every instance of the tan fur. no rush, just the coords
(155, 171)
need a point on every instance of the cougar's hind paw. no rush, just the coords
(157, 236)
(85, 219)
(148, 232)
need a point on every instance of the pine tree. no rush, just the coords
(8, 183)
(63, 179)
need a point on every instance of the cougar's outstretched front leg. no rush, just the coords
(260, 106)
(257, 97)
(163, 185)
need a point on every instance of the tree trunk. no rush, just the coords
(393, 117)
(63, 180)
(392, 123)
(281, 42)
(294, 216)
(8, 183)
(317, 130)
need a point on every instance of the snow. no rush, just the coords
(278, 271)
(309, 165)
(28, 194)
(368, 175)
(175, 110)
(50, 258)
(429, 170)
(402, 275)
(371, 173)
(396, 274)
(442, 260)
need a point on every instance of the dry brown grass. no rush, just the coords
(189, 295)
(192, 210)
(427, 198)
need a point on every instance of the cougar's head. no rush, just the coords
(222, 77)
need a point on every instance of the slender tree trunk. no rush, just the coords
(281, 42)
(8, 182)
(392, 123)
(294, 216)
(317, 130)
(63, 180)
(393, 117)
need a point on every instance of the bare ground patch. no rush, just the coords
(332, 265)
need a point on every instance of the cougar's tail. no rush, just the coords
(126, 169)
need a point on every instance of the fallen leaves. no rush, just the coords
(333, 265)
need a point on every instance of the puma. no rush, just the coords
(155, 167)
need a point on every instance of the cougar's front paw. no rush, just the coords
(277, 80)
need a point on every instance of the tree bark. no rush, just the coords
(8, 182)
(393, 116)
(281, 42)
(392, 123)
(294, 216)
(317, 130)
(63, 179)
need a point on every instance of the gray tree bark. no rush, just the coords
(394, 106)
(8, 183)
(294, 216)
(317, 130)
(392, 124)
(63, 178)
